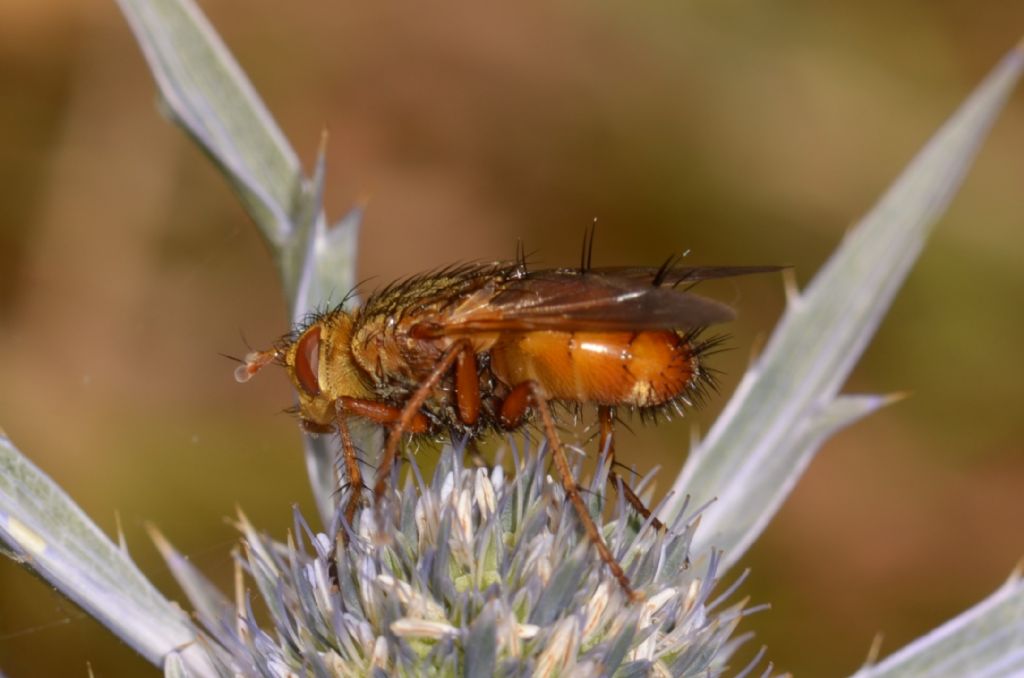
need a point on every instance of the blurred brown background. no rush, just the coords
(746, 132)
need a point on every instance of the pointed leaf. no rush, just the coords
(759, 445)
(205, 91)
(53, 537)
(986, 641)
(211, 606)
(750, 513)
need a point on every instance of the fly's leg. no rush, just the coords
(539, 401)
(380, 413)
(513, 408)
(410, 411)
(355, 484)
(476, 458)
(377, 412)
(606, 445)
(352, 470)
(467, 398)
(467, 386)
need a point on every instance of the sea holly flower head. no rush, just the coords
(478, 571)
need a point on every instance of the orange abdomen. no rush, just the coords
(642, 369)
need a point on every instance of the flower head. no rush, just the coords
(478, 571)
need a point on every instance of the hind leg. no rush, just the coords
(606, 445)
(512, 412)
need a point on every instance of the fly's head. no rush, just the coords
(318, 360)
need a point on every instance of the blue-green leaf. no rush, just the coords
(48, 532)
(205, 91)
(771, 428)
(986, 641)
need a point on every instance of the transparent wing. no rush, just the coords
(599, 299)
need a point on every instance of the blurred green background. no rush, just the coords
(746, 132)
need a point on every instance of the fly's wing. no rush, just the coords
(599, 299)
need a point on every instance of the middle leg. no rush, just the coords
(410, 411)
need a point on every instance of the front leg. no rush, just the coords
(352, 469)
(381, 413)
(377, 412)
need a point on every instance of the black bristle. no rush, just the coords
(666, 268)
(520, 268)
(587, 254)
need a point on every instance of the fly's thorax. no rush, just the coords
(376, 346)
(388, 351)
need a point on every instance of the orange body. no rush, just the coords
(633, 369)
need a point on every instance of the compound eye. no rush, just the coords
(307, 361)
